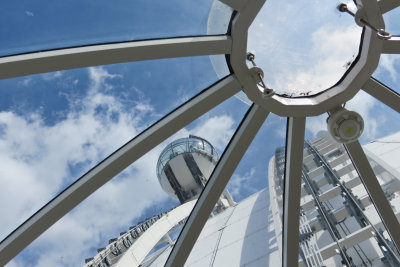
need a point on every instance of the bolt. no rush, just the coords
(342, 7)
(250, 56)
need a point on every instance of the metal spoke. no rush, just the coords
(391, 46)
(374, 190)
(114, 164)
(237, 5)
(292, 190)
(216, 184)
(79, 57)
(382, 93)
(387, 5)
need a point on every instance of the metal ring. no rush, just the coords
(382, 34)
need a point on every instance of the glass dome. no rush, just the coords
(330, 42)
(91, 90)
(190, 144)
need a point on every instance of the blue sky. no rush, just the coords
(56, 126)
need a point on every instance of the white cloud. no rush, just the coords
(388, 63)
(29, 13)
(303, 48)
(240, 184)
(25, 82)
(52, 75)
(38, 160)
(363, 104)
(317, 124)
(217, 130)
(332, 50)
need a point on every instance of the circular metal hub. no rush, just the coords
(345, 126)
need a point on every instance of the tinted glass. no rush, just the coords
(135, 196)
(42, 25)
(56, 126)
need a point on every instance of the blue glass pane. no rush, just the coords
(41, 25)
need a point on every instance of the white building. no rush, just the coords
(338, 224)
(264, 228)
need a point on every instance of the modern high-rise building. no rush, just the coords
(339, 225)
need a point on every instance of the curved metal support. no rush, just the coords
(383, 93)
(114, 164)
(231, 157)
(374, 190)
(344, 90)
(95, 55)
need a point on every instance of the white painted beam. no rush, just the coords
(148, 240)
(339, 160)
(316, 172)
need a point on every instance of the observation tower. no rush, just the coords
(184, 167)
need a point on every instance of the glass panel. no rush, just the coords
(54, 127)
(307, 53)
(219, 18)
(245, 233)
(339, 225)
(388, 71)
(39, 25)
(127, 206)
(392, 21)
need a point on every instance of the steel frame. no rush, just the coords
(114, 164)
(374, 190)
(86, 56)
(391, 46)
(383, 93)
(235, 45)
(221, 175)
(292, 187)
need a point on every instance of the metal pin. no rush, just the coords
(382, 34)
(267, 91)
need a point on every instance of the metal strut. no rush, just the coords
(380, 238)
(267, 91)
(382, 34)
